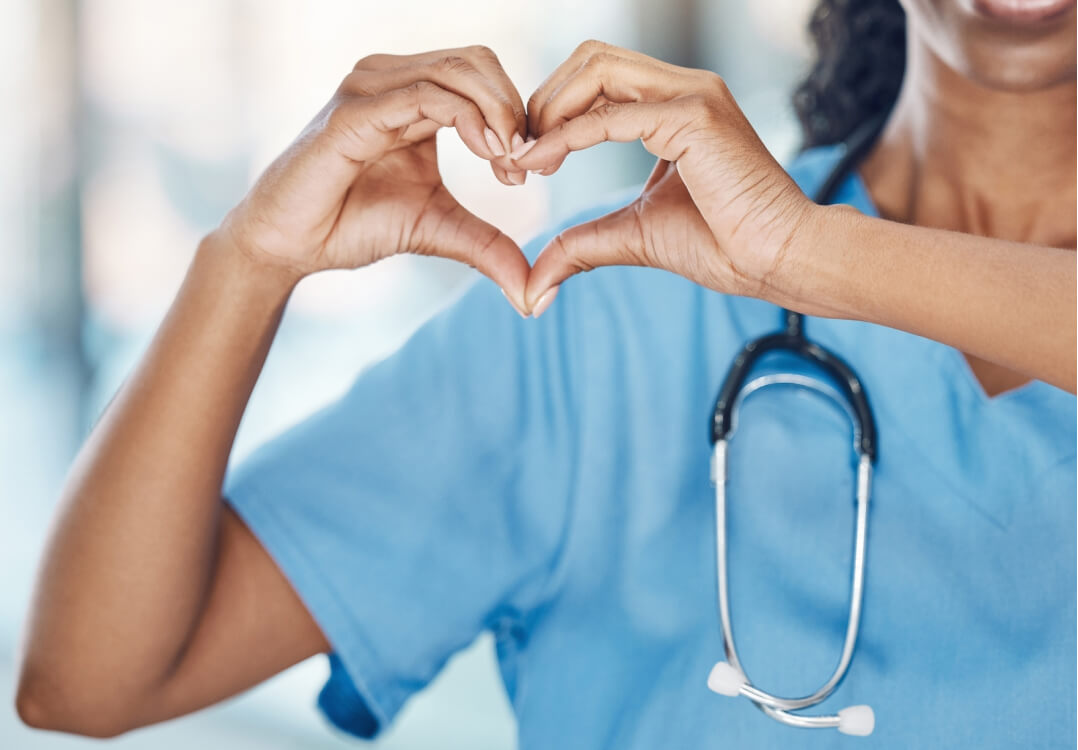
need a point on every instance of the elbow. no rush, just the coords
(31, 711)
(40, 706)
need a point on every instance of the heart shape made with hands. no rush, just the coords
(717, 208)
(362, 181)
(580, 106)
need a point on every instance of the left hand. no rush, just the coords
(717, 209)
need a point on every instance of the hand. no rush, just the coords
(361, 182)
(718, 209)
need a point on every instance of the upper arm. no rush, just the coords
(252, 626)
(427, 503)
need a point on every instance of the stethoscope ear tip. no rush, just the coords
(726, 679)
(857, 720)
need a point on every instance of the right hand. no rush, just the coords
(361, 182)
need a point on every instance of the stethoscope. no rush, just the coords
(729, 677)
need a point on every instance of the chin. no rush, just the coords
(1007, 45)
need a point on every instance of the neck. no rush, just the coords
(957, 155)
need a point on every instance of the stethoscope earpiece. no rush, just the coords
(726, 679)
(857, 720)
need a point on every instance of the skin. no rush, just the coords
(982, 141)
(151, 590)
(986, 150)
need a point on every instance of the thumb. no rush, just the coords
(456, 233)
(610, 240)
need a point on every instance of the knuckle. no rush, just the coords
(602, 60)
(514, 103)
(713, 84)
(564, 248)
(591, 47)
(533, 102)
(607, 111)
(483, 248)
(453, 64)
(356, 83)
(420, 89)
(570, 251)
(513, 109)
(370, 62)
(483, 53)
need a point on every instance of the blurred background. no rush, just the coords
(130, 128)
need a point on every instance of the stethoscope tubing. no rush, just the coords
(854, 402)
(750, 691)
(780, 708)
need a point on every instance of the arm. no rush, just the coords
(150, 594)
(719, 210)
(1006, 302)
(149, 589)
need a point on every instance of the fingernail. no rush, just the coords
(493, 143)
(515, 142)
(514, 304)
(519, 149)
(517, 178)
(544, 301)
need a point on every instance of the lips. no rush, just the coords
(1025, 12)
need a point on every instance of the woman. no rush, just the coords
(549, 480)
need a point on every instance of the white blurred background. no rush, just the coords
(129, 128)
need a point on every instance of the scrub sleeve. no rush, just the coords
(427, 504)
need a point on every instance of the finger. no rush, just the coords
(501, 174)
(547, 171)
(472, 72)
(591, 59)
(453, 74)
(613, 239)
(666, 129)
(366, 127)
(511, 176)
(424, 129)
(384, 61)
(488, 63)
(571, 64)
(449, 230)
(420, 131)
(551, 169)
(611, 76)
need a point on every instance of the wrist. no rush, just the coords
(242, 271)
(813, 271)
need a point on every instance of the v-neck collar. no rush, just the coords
(989, 449)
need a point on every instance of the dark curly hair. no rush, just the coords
(860, 60)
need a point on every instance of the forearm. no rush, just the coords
(1005, 302)
(131, 552)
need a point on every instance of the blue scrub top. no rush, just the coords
(548, 481)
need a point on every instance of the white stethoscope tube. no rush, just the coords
(728, 677)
